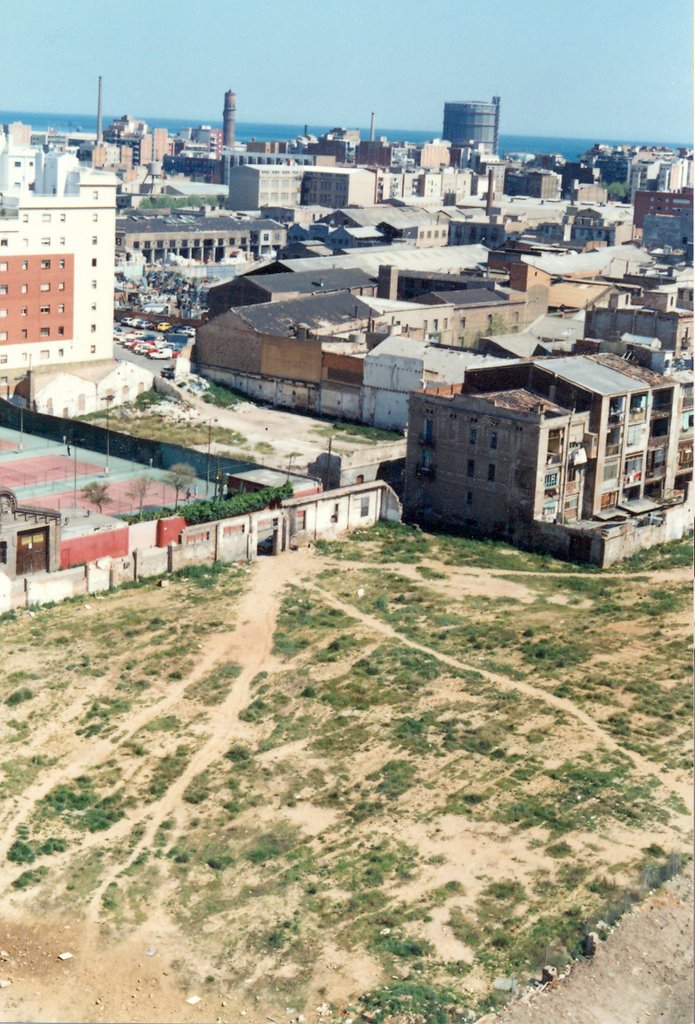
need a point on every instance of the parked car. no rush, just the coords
(144, 325)
(190, 331)
(161, 353)
(168, 372)
(129, 321)
(163, 326)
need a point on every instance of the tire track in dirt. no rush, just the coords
(103, 749)
(251, 647)
(642, 764)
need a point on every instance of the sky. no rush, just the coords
(570, 68)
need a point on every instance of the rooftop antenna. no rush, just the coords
(100, 134)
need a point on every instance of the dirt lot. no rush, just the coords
(643, 972)
(371, 777)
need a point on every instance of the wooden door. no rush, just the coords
(32, 551)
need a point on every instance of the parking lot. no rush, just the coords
(144, 344)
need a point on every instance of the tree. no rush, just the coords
(97, 494)
(617, 189)
(138, 490)
(181, 476)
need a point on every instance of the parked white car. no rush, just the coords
(162, 353)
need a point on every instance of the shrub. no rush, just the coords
(19, 696)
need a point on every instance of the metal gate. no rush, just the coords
(32, 551)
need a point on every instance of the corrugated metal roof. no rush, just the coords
(591, 375)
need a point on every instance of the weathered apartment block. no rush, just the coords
(563, 440)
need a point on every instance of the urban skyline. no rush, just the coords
(595, 94)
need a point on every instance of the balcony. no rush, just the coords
(614, 418)
(612, 449)
(638, 415)
(658, 412)
(553, 459)
(656, 472)
(632, 478)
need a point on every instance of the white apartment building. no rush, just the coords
(254, 185)
(57, 243)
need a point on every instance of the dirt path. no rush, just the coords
(251, 647)
(680, 787)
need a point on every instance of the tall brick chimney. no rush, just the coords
(228, 116)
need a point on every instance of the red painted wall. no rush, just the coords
(169, 530)
(79, 550)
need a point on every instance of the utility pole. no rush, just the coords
(108, 399)
(327, 474)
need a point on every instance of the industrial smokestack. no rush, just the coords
(228, 117)
(371, 129)
(100, 135)
(490, 190)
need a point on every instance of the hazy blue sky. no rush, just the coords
(611, 68)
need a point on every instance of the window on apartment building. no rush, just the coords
(3, 266)
(45, 332)
(45, 218)
(94, 284)
(3, 312)
(3, 289)
(61, 264)
(473, 435)
(336, 513)
(24, 289)
(62, 218)
(3, 543)
(61, 351)
(44, 354)
(491, 472)
(3, 359)
(25, 265)
(93, 328)
(609, 499)
(3, 335)
(493, 439)
(94, 262)
(427, 429)
(94, 307)
(61, 286)
(44, 286)
(95, 217)
(45, 241)
(4, 241)
(92, 349)
(550, 480)
(45, 264)
(61, 331)
(95, 240)
(470, 468)
(25, 335)
(61, 307)
(25, 218)
(364, 507)
(95, 193)
(61, 240)
(24, 311)
(44, 309)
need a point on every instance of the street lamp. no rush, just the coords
(108, 399)
(207, 470)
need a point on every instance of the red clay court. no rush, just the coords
(43, 469)
(121, 502)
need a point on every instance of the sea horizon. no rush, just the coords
(570, 147)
